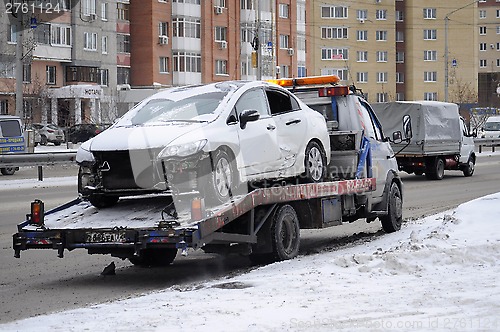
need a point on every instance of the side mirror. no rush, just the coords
(407, 127)
(397, 137)
(248, 116)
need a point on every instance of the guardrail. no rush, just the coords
(37, 159)
(487, 142)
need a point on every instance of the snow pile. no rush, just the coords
(438, 273)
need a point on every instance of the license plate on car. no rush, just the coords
(105, 237)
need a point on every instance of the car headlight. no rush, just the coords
(182, 150)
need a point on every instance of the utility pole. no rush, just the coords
(19, 64)
(259, 50)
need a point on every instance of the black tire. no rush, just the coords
(468, 169)
(394, 218)
(8, 170)
(154, 257)
(285, 233)
(315, 163)
(435, 169)
(221, 178)
(43, 140)
(101, 201)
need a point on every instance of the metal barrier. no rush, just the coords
(487, 142)
(37, 159)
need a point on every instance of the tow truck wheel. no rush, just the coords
(469, 167)
(285, 232)
(315, 163)
(154, 257)
(394, 218)
(8, 170)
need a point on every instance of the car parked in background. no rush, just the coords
(50, 133)
(84, 131)
(211, 139)
(38, 137)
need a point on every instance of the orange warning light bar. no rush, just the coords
(326, 79)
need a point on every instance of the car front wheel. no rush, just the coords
(222, 179)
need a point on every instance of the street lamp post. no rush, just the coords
(446, 51)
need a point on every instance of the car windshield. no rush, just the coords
(192, 108)
(492, 126)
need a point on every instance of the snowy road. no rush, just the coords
(41, 283)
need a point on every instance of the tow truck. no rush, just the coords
(362, 182)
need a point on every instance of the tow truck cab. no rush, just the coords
(355, 134)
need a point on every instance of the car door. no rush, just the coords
(467, 146)
(258, 140)
(291, 124)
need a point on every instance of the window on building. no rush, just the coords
(382, 77)
(90, 41)
(430, 34)
(122, 11)
(12, 35)
(4, 106)
(51, 74)
(163, 29)
(6, 69)
(220, 3)
(186, 27)
(430, 76)
(245, 68)
(362, 14)
(382, 56)
(400, 77)
(400, 57)
(362, 56)
(400, 36)
(220, 34)
(362, 35)
(498, 13)
(83, 74)
(381, 35)
(246, 4)
(284, 10)
(362, 77)
(122, 75)
(104, 45)
(164, 68)
(482, 14)
(482, 47)
(301, 71)
(104, 11)
(498, 29)
(41, 34)
(88, 7)
(187, 62)
(342, 73)
(284, 71)
(483, 63)
(430, 55)
(123, 43)
(334, 54)
(482, 30)
(104, 77)
(27, 73)
(400, 96)
(382, 97)
(246, 34)
(381, 14)
(301, 42)
(399, 16)
(430, 96)
(334, 33)
(284, 41)
(498, 62)
(429, 13)
(60, 35)
(333, 12)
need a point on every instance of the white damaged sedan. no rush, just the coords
(209, 139)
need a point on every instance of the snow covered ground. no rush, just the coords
(436, 274)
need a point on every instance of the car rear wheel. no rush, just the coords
(315, 163)
(8, 170)
(469, 167)
(43, 140)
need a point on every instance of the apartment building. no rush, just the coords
(489, 53)
(69, 63)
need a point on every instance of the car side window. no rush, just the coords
(373, 127)
(280, 102)
(253, 100)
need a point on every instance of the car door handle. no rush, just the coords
(270, 127)
(294, 121)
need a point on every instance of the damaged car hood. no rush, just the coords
(149, 136)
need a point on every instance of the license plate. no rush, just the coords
(105, 237)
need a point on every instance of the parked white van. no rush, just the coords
(492, 127)
(11, 139)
